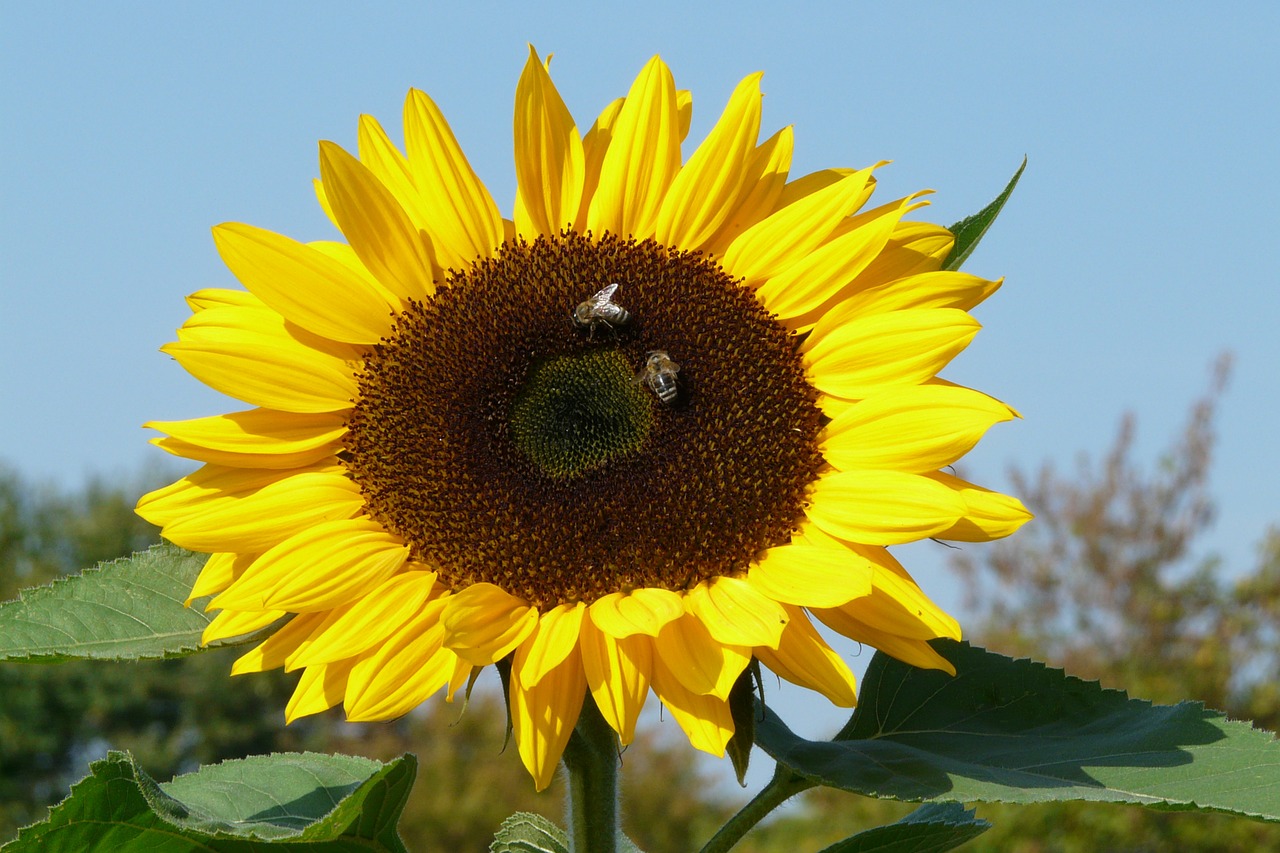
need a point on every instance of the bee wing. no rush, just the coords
(603, 296)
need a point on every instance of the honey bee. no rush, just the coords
(600, 309)
(659, 373)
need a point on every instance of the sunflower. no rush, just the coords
(650, 428)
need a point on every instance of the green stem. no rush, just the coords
(591, 757)
(783, 786)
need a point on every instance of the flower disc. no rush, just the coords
(470, 407)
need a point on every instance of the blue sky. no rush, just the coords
(1136, 249)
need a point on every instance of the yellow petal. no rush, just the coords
(617, 673)
(594, 146)
(543, 715)
(942, 289)
(816, 277)
(896, 604)
(705, 719)
(371, 619)
(804, 658)
(402, 672)
(702, 194)
(237, 623)
(702, 664)
(483, 623)
(379, 230)
(250, 355)
(793, 232)
(217, 574)
(898, 348)
(390, 167)
(763, 179)
(318, 568)
(916, 428)
(556, 636)
(465, 221)
(882, 507)
(915, 247)
(908, 650)
(304, 285)
(811, 575)
(208, 486)
(259, 438)
(550, 169)
(641, 611)
(988, 515)
(273, 513)
(642, 158)
(275, 650)
(320, 688)
(737, 613)
(218, 297)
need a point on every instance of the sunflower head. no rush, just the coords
(641, 433)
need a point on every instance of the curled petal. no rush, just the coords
(737, 613)
(483, 623)
(617, 673)
(701, 663)
(704, 718)
(988, 515)
(544, 714)
(641, 611)
(804, 658)
(553, 641)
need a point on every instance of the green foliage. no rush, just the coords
(127, 609)
(932, 828)
(529, 833)
(970, 230)
(315, 803)
(1018, 731)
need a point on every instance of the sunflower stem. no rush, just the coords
(591, 757)
(783, 786)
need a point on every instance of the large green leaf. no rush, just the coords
(932, 828)
(313, 803)
(127, 609)
(970, 230)
(1020, 732)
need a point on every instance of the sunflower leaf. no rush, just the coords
(314, 803)
(971, 229)
(525, 832)
(1005, 730)
(127, 609)
(932, 828)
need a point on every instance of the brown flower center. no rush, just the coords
(508, 442)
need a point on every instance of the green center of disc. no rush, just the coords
(577, 412)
